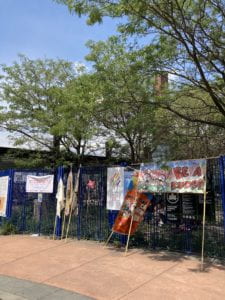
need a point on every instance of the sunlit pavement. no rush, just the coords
(88, 269)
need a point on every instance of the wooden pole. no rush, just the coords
(68, 225)
(203, 232)
(106, 243)
(128, 238)
(63, 225)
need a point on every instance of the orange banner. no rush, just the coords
(135, 204)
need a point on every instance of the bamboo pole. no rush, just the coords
(128, 238)
(63, 225)
(68, 225)
(106, 243)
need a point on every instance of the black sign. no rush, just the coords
(173, 207)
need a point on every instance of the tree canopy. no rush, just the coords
(187, 36)
(67, 110)
(124, 108)
(46, 106)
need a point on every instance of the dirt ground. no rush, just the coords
(88, 268)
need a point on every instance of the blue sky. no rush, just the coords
(43, 28)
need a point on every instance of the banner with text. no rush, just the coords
(39, 184)
(4, 185)
(187, 176)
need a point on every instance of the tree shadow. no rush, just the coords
(164, 255)
(208, 267)
(167, 256)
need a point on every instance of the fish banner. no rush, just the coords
(187, 176)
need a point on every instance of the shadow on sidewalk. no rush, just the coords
(209, 264)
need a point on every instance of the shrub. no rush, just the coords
(7, 228)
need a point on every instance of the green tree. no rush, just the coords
(188, 37)
(45, 106)
(185, 139)
(124, 109)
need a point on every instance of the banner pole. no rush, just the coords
(63, 225)
(68, 225)
(106, 243)
(128, 238)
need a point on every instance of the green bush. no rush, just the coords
(8, 228)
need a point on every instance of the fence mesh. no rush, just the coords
(173, 222)
(28, 215)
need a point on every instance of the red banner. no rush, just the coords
(135, 204)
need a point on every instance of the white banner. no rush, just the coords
(4, 185)
(39, 184)
(115, 188)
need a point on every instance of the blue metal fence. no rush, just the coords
(24, 211)
(94, 221)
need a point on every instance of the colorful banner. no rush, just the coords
(187, 176)
(115, 188)
(135, 204)
(4, 185)
(39, 184)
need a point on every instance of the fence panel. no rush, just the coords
(92, 219)
(28, 214)
(174, 221)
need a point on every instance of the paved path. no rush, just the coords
(89, 269)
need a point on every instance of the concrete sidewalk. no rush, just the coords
(89, 269)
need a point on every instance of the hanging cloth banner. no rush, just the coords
(69, 193)
(135, 204)
(75, 193)
(60, 198)
(39, 184)
(187, 176)
(4, 185)
(115, 188)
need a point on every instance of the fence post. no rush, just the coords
(58, 231)
(222, 187)
(10, 194)
(80, 203)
